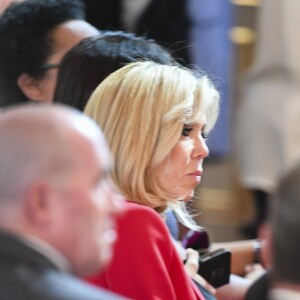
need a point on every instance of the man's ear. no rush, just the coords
(30, 87)
(37, 204)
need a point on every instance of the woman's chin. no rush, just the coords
(188, 197)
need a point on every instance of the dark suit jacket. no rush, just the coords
(26, 274)
(259, 289)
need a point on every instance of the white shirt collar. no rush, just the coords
(48, 251)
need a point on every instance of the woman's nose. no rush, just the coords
(201, 150)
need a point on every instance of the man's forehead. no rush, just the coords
(80, 28)
(69, 34)
(72, 32)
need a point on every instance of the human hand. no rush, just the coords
(254, 271)
(235, 290)
(192, 265)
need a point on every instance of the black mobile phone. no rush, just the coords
(215, 267)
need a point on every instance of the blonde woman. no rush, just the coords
(156, 119)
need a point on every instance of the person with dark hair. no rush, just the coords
(281, 248)
(58, 208)
(35, 34)
(284, 246)
(94, 58)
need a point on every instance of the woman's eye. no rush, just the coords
(204, 135)
(186, 131)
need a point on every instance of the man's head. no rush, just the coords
(285, 228)
(54, 183)
(35, 34)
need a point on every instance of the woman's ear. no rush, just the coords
(30, 87)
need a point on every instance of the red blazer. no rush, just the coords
(146, 264)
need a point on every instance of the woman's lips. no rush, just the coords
(196, 175)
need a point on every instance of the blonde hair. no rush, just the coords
(142, 109)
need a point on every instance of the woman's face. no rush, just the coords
(182, 169)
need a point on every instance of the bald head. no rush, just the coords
(37, 142)
(54, 183)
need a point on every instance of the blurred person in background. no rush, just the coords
(282, 234)
(94, 58)
(35, 34)
(58, 208)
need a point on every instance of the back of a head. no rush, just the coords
(54, 184)
(142, 109)
(35, 143)
(93, 59)
(285, 218)
(25, 44)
